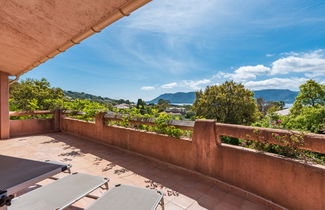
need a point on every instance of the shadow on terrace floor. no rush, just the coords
(183, 190)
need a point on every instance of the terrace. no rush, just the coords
(197, 173)
(183, 189)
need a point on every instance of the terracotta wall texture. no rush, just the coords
(31, 126)
(287, 182)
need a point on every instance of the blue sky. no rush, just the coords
(184, 45)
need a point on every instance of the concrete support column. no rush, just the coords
(4, 106)
(57, 120)
(205, 145)
(100, 123)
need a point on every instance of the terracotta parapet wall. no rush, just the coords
(287, 182)
(79, 128)
(312, 142)
(24, 113)
(31, 126)
(34, 126)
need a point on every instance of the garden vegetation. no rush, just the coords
(229, 102)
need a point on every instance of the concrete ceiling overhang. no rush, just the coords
(33, 31)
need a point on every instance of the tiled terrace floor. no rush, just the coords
(182, 189)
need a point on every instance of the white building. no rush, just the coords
(122, 106)
(284, 112)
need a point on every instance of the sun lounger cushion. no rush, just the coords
(16, 171)
(58, 194)
(125, 197)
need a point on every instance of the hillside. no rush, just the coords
(285, 95)
(100, 99)
(177, 98)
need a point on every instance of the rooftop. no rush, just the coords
(183, 189)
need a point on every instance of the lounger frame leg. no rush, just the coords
(162, 203)
(95, 197)
(69, 170)
(105, 187)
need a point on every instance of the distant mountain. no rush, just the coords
(176, 98)
(285, 95)
(100, 99)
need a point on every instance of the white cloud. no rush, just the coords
(309, 63)
(195, 85)
(172, 17)
(147, 88)
(245, 73)
(189, 84)
(315, 75)
(169, 85)
(161, 62)
(182, 16)
(276, 83)
(258, 69)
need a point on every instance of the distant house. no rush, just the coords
(175, 110)
(122, 106)
(284, 112)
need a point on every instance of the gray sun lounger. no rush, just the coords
(17, 174)
(125, 197)
(59, 194)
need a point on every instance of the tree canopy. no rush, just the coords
(311, 94)
(227, 103)
(162, 105)
(307, 113)
(31, 94)
(141, 103)
(266, 107)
